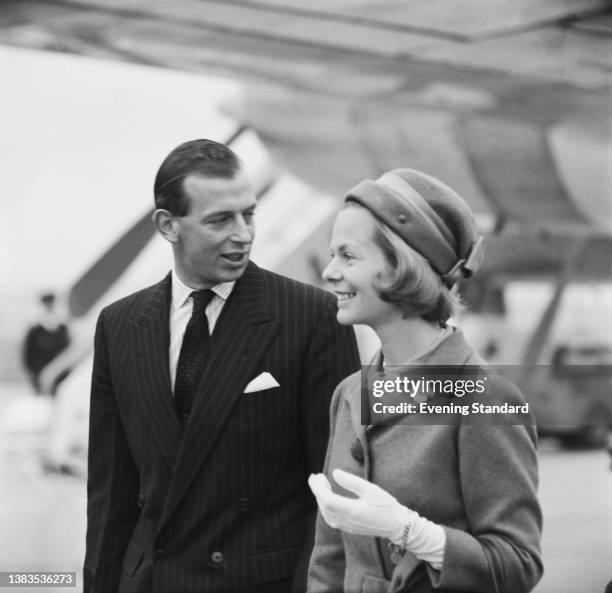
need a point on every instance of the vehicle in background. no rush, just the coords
(564, 366)
(572, 396)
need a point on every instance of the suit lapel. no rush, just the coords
(239, 341)
(150, 334)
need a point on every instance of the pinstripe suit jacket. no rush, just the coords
(223, 506)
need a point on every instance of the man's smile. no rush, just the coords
(235, 257)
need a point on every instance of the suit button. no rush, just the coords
(243, 504)
(158, 556)
(140, 501)
(217, 557)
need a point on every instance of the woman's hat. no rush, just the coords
(429, 216)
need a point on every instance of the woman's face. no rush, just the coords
(356, 264)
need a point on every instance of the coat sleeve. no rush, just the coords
(498, 477)
(332, 356)
(112, 483)
(327, 562)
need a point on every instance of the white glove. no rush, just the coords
(374, 512)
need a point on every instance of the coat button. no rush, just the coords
(243, 504)
(158, 556)
(357, 451)
(140, 501)
(217, 557)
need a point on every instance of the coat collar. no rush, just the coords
(453, 351)
(150, 334)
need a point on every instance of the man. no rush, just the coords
(209, 409)
(44, 340)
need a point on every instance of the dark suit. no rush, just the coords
(224, 505)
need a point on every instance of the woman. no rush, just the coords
(444, 505)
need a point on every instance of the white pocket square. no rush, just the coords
(261, 382)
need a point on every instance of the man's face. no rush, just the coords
(214, 239)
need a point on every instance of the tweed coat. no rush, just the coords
(222, 506)
(477, 481)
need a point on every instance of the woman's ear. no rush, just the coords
(386, 277)
(166, 224)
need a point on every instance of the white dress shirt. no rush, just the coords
(180, 313)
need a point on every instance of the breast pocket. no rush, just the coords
(266, 423)
(270, 396)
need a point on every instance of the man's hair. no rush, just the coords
(202, 157)
(415, 288)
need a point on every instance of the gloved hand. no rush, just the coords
(374, 512)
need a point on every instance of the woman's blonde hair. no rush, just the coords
(411, 284)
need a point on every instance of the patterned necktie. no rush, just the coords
(193, 356)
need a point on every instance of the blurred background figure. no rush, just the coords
(44, 340)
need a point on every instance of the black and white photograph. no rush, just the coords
(306, 297)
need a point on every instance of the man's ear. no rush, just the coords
(166, 224)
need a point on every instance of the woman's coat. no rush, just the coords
(477, 481)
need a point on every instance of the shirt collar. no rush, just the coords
(181, 292)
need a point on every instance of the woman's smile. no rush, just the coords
(344, 297)
(356, 267)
